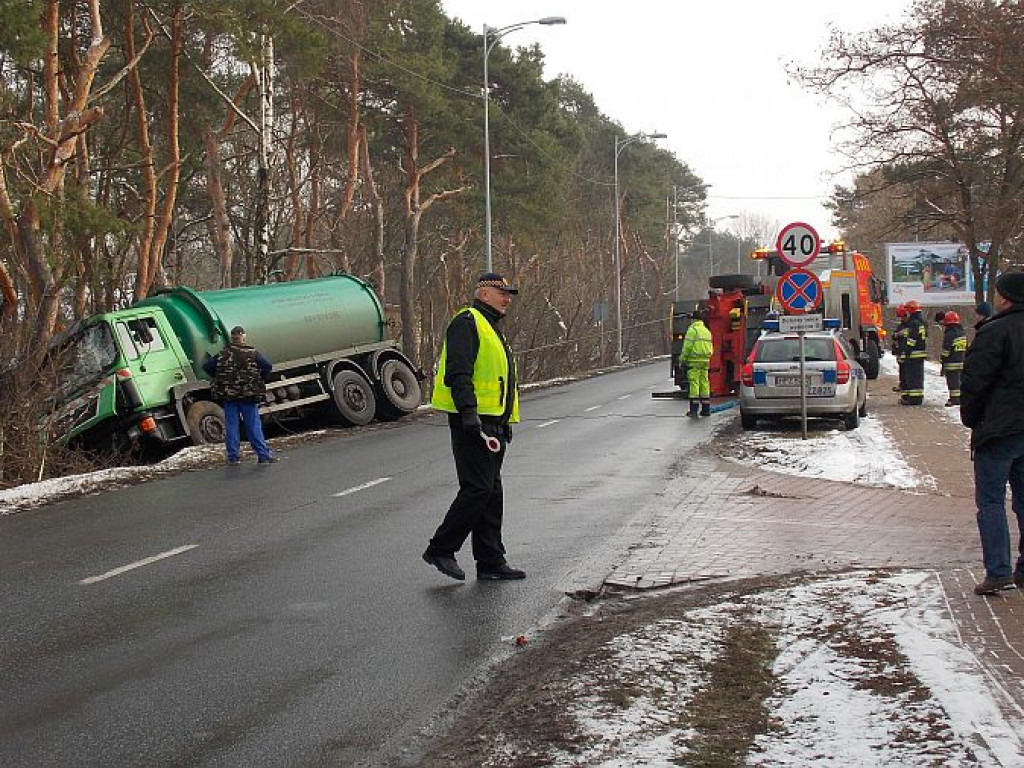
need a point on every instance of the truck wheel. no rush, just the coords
(747, 421)
(399, 390)
(354, 399)
(732, 281)
(874, 353)
(205, 422)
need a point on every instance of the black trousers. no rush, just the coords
(479, 504)
(913, 390)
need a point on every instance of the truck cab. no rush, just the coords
(111, 372)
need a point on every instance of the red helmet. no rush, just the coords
(901, 311)
(912, 307)
(951, 318)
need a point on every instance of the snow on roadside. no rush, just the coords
(32, 495)
(870, 672)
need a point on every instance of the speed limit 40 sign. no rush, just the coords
(798, 244)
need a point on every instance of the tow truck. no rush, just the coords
(852, 293)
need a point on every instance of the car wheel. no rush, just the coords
(748, 421)
(851, 420)
(863, 410)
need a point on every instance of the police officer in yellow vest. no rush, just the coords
(696, 356)
(476, 386)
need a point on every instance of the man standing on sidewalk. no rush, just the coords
(954, 347)
(992, 405)
(476, 386)
(695, 356)
(915, 351)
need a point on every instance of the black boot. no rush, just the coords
(694, 409)
(705, 409)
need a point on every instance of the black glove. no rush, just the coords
(470, 421)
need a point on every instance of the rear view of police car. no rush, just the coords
(836, 382)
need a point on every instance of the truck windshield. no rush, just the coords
(86, 357)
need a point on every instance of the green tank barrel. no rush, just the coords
(285, 321)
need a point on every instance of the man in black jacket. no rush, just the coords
(476, 386)
(992, 405)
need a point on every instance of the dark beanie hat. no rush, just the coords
(1011, 286)
(984, 309)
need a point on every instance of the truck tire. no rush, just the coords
(874, 353)
(354, 398)
(732, 281)
(748, 421)
(398, 390)
(205, 423)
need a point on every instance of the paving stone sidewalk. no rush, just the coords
(723, 520)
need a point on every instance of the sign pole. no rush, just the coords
(803, 389)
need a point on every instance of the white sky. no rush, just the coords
(712, 77)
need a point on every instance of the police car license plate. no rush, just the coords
(820, 390)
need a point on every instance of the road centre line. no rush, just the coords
(548, 423)
(363, 487)
(138, 564)
(591, 408)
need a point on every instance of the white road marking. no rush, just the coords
(138, 564)
(363, 487)
(591, 408)
(548, 423)
(624, 397)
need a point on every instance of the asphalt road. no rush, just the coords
(290, 620)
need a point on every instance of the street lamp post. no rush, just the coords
(711, 236)
(494, 35)
(619, 146)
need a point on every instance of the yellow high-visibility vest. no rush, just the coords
(490, 374)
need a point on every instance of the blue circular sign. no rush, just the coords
(799, 290)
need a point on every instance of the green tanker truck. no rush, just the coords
(134, 378)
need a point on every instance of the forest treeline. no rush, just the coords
(217, 144)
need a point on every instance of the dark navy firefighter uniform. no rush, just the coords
(954, 349)
(916, 351)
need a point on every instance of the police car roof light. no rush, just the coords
(832, 323)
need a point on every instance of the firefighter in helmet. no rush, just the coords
(954, 348)
(914, 356)
(696, 358)
(899, 338)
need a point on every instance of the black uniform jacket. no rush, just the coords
(992, 390)
(462, 345)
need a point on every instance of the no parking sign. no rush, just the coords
(799, 291)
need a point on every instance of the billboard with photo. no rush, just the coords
(934, 274)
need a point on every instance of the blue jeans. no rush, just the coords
(996, 463)
(250, 415)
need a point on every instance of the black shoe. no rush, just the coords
(269, 460)
(446, 564)
(897, 389)
(991, 586)
(234, 462)
(705, 410)
(503, 572)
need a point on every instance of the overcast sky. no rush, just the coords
(712, 76)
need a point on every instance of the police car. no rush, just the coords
(836, 384)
